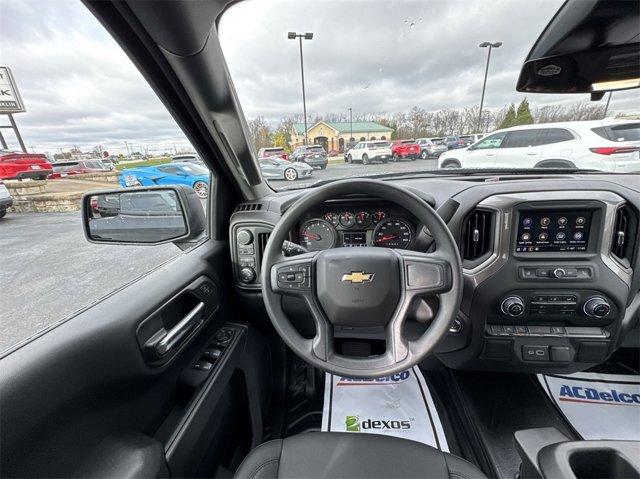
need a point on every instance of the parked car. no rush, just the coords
(110, 162)
(273, 151)
(607, 145)
(5, 199)
(405, 150)
(190, 174)
(367, 152)
(19, 165)
(454, 142)
(63, 169)
(471, 139)
(187, 158)
(275, 168)
(430, 149)
(347, 147)
(313, 155)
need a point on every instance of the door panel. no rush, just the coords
(82, 400)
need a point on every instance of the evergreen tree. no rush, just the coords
(509, 118)
(523, 115)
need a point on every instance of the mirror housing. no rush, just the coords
(589, 46)
(143, 215)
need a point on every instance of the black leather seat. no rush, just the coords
(351, 455)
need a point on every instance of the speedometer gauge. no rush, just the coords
(317, 235)
(393, 233)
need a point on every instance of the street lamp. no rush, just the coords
(350, 124)
(486, 71)
(300, 36)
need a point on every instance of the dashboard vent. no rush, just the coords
(477, 235)
(248, 207)
(624, 232)
(262, 243)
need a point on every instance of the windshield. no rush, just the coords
(400, 70)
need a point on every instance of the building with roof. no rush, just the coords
(333, 135)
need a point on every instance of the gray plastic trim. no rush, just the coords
(504, 205)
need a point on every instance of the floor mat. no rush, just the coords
(398, 405)
(598, 406)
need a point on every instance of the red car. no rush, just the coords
(405, 150)
(18, 165)
(69, 168)
(273, 151)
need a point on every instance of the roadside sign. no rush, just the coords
(105, 153)
(10, 99)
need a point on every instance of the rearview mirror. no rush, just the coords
(144, 216)
(590, 46)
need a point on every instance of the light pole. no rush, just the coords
(486, 71)
(350, 124)
(300, 36)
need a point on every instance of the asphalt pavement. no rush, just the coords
(347, 170)
(49, 270)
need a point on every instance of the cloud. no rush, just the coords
(374, 56)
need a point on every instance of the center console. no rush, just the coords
(549, 292)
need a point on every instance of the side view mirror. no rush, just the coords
(590, 46)
(143, 215)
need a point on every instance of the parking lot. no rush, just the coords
(344, 170)
(49, 270)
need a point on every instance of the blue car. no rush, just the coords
(190, 174)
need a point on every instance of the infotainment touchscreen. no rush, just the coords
(553, 230)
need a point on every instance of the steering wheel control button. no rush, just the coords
(294, 277)
(512, 306)
(535, 353)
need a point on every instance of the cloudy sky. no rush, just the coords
(374, 56)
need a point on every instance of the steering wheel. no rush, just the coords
(362, 287)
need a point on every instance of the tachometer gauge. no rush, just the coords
(363, 218)
(317, 235)
(332, 218)
(393, 233)
(378, 216)
(347, 219)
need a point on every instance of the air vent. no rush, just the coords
(624, 232)
(262, 243)
(476, 235)
(248, 207)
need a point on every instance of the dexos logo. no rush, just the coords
(393, 379)
(355, 424)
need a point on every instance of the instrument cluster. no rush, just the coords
(356, 227)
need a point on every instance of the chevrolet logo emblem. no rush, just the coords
(356, 277)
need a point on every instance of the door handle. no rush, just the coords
(175, 334)
(532, 153)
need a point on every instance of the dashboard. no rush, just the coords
(354, 224)
(551, 263)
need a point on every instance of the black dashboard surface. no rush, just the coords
(584, 207)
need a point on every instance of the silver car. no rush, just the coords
(430, 148)
(275, 168)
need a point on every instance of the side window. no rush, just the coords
(173, 170)
(490, 142)
(555, 135)
(121, 123)
(521, 139)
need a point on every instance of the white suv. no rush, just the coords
(368, 151)
(607, 145)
